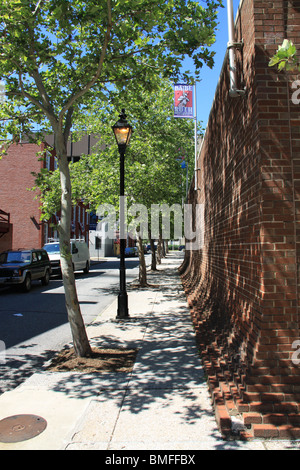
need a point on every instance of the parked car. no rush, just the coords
(149, 248)
(131, 251)
(21, 267)
(80, 256)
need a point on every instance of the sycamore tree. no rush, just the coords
(153, 172)
(57, 54)
(155, 176)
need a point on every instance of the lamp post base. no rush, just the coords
(122, 306)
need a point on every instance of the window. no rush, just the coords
(44, 256)
(48, 159)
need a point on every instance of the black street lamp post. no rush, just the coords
(122, 131)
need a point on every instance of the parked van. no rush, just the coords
(80, 256)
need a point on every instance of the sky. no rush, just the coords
(205, 90)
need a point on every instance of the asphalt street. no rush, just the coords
(34, 325)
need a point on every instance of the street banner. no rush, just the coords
(183, 101)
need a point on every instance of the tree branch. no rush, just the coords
(45, 106)
(42, 90)
(132, 53)
(37, 7)
(28, 96)
(89, 85)
(47, 110)
(68, 124)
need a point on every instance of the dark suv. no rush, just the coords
(20, 267)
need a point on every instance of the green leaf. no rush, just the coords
(285, 57)
(281, 66)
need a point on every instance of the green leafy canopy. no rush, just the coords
(55, 54)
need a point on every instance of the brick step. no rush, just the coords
(268, 431)
(263, 369)
(260, 423)
(249, 390)
(269, 407)
(271, 418)
(269, 376)
(284, 416)
(269, 387)
(222, 413)
(264, 393)
(266, 397)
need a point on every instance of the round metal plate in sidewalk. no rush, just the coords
(21, 428)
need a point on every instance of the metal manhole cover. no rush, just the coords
(21, 427)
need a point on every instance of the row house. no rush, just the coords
(20, 212)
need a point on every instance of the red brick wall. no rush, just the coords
(243, 285)
(279, 148)
(16, 178)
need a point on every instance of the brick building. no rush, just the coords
(21, 226)
(243, 284)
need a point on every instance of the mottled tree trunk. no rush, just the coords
(142, 265)
(153, 254)
(80, 340)
(159, 249)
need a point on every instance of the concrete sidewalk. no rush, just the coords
(163, 404)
